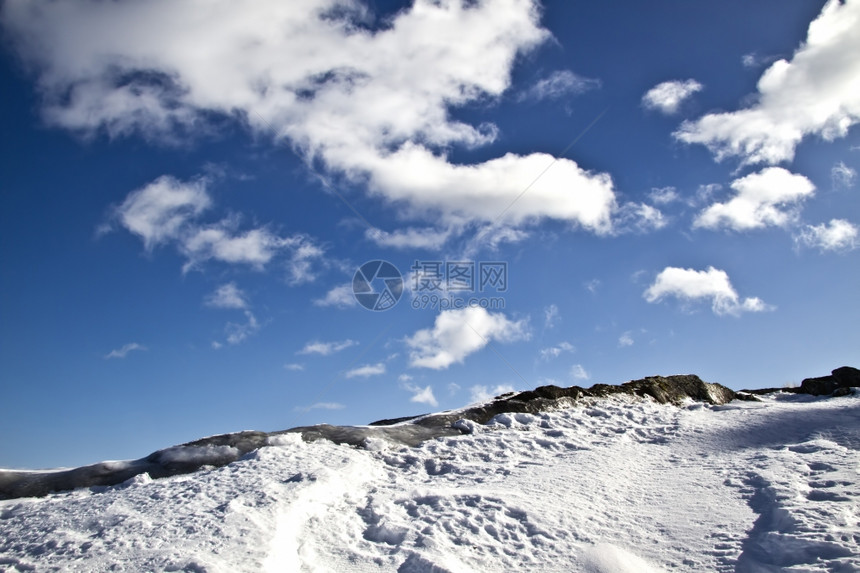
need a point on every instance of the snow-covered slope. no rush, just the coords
(614, 484)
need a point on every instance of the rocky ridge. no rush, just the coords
(223, 449)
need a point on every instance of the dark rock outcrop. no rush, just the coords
(839, 383)
(663, 389)
(213, 451)
(845, 377)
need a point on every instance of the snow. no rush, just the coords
(611, 485)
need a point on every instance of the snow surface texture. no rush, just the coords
(613, 485)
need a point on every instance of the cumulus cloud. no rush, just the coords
(556, 351)
(559, 84)
(366, 371)
(689, 285)
(458, 333)
(293, 366)
(626, 339)
(326, 348)
(340, 296)
(492, 192)
(817, 92)
(123, 352)
(667, 97)
(837, 235)
(482, 393)
(167, 211)
(310, 73)
(227, 296)
(767, 198)
(160, 211)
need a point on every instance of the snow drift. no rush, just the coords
(618, 482)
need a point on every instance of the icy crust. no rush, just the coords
(619, 484)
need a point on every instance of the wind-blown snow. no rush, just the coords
(612, 485)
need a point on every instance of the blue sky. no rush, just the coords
(188, 193)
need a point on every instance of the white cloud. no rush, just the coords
(326, 348)
(167, 211)
(690, 285)
(422, 395)
(123, 352)
(843, 176)
(481, 393)
(367, 370)
(664, 195)
(320, 406)
(238, 332)
(667, 97)
(560, 84)
(219, 242)
(492, 192)
(492, 236)
(300, 264)
(638, 218)
(837, 235)
(769, 197)
(817, 92)
(411, 238)
(340, 296)
(295, 367)
(227, 296)
(551, 316)
(626, 339)
(592, 286)
(556, 351)
(307, 73)
(458, 333)
(705, 192)
(159, 212)
(753, 60)
(577, 372)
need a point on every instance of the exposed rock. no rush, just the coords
(844, 377)
(763, 391)
(212, 451)
(841, 391)
(663, 389)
